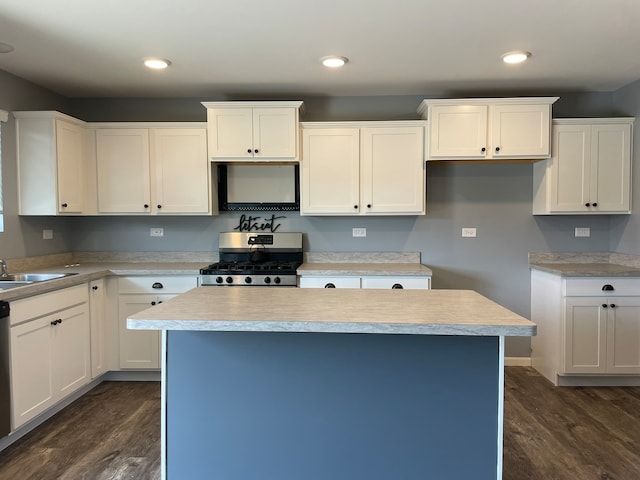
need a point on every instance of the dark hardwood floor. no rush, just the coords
(113, 433)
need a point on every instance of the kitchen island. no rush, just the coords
(286, 383)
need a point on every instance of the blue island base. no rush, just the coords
(331, 406)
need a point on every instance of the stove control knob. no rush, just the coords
(267, 280)
(247, 280)
(276, 280)
(218, 279)
(229, 280)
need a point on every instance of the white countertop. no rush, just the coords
(258, 309)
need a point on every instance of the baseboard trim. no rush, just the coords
(517, 361)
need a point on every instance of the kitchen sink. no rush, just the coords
(25, 278)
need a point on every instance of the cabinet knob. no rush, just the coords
(146, 205)
(95, 287)
(397, 286)
(497, 149)
(153, 303)
(329, 285)
(368, 205)
(65, 205)
(604, 305)
(248, 150)
(607, 288)
(256, 151)
(595, 204)
(157, 285)
(587, 204)
(159, 206)
(613, 305)
(483, 149)
(355, 206)
(56, 322)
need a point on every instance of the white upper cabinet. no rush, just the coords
(122, 156)
(253, 131)
(52, 172)
(362, 168)
(590, 168)
(488, 129)
(156, 170)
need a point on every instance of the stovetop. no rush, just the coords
(280, 268)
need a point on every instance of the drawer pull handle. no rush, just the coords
(397, 286)
(613, 305)
(157, 285)
(604, 305)
(329, 285)
(608, 288)
(153, 303)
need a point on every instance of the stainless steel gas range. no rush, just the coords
(255, 259)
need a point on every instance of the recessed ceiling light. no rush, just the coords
(156, 63)
(6, 48)
(334, 61)
(515, 57)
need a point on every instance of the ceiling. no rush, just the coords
(271, 48)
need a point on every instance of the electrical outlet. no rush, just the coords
(359, 232)
(47, 234)
(468, 232)
(156, 232)
(583, 232)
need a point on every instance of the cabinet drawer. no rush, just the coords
(323, 282)
(46, 303)
(389, 282)
(593, 286)
(163, 284)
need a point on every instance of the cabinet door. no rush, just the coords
(122, 156)
(70, 357)
(329, 282)
(392, 170)
(139, 349)
(330, 171)
(570, 168)
(180, 171)
(457, 131)
(623, 335)
(274, 133)
(32, 385)
(386, 283)
(520, 131)
(611, 168)
(70, 153)
(230, 133)
(97, 310)
(585, 335)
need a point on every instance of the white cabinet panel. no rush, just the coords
(123, 170)
(363, 168)
(458, 131)
(329, 282)
(589, 171)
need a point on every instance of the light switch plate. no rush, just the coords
(47, 234)
(359, 232)
(583, 232)
(468, 232)
(156, 232)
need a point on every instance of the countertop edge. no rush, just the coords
(332, 327)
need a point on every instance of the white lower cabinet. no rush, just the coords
(50, 351)
(140, 349)
(586, 326)
(99, 327)
(370, 281)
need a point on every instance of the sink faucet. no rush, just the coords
(3, 266)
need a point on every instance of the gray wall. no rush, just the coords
(496, 199)
(625, 231)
